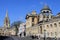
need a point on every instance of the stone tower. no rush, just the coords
(31, 19)
(45, 14)
(6, 20)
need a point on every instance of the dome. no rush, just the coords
(46, 7)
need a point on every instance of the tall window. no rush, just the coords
(32, 24)
(41, 28)
(51, 25)
(55, 24)
(32, 19)
(47, 26)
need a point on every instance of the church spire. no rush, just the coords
(6, 13)
(6, 20)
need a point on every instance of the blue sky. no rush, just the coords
(17, 9)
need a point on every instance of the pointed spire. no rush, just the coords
(6, 13)
(6, 20)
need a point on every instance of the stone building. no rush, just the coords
(6, 30)
(43, 23)
(21, 32)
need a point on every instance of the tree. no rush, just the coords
(16, 24)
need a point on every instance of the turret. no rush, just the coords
(46, 13)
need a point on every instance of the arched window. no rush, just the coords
(47, 26)
(59, 24)
(55, 25)
(32, 19)
(50, 25)
(43, 11)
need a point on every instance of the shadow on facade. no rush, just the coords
(5, 38)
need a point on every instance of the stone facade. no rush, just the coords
(43, 23)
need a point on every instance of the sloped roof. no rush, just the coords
(46, 7)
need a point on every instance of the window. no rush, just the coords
(47, 26)
(32, 24)
(32, 19)
(51, 25)
(47, 11)
(44, 16)
(41, 28)
(55, 24)
(59, 24)
(43, 11)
